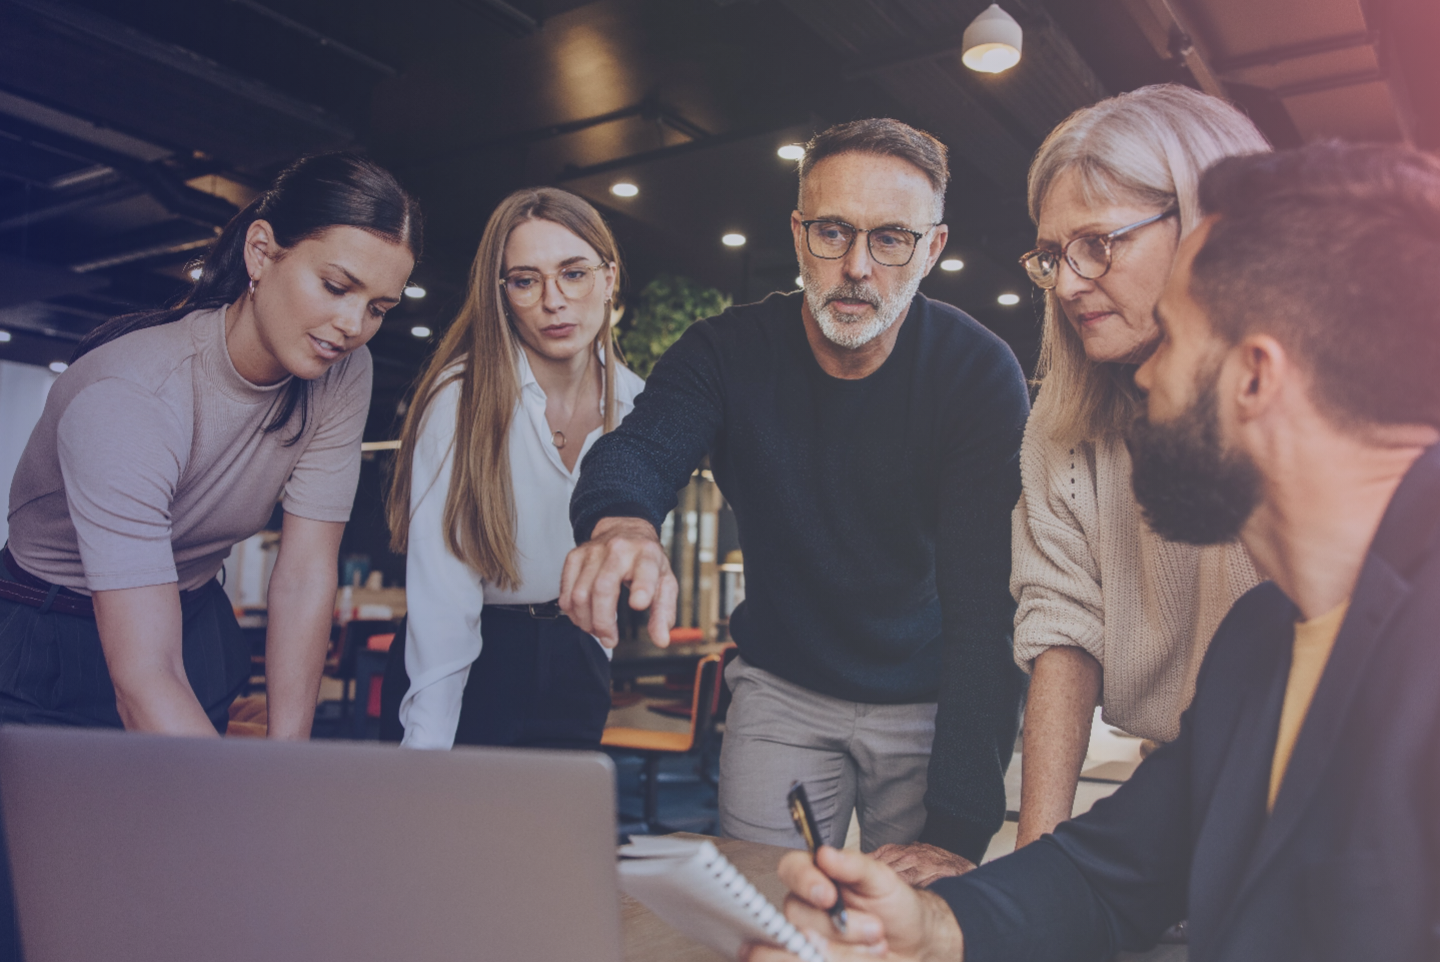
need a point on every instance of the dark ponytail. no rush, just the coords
(310, 196)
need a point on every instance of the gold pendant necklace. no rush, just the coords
(557, 438)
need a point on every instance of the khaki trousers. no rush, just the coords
(851, 757)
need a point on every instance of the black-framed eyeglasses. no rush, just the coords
(525, 288)
(1088, 255)
(890, 246)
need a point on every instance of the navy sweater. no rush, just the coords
(874, 515)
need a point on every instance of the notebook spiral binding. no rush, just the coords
(753, 901)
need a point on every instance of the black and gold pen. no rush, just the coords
(809, 830)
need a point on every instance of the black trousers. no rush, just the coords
(53, 672)
(538, 683)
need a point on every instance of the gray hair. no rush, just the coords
(887, 138)
(1148, 146)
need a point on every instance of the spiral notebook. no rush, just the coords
(694, 888)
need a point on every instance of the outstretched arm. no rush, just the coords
(140, 633)
(301, 603)
(1064, 687)
(621, 551)
(627, 486)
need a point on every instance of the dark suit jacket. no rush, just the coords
(1348, 864)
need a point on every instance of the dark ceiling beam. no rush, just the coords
(49, 320)
(1174, 37)
(157, 181)
(26, 213)
(1335, 82)
(40, 169)
(647, 109)
(868, 66)
(23, 280)
(80, 129)
(80, 178)
(572, 172)
(129, 255)
(511, 17)
(1295, 51)
(184, 62)
(324, 40)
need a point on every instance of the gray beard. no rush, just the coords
(854, 334)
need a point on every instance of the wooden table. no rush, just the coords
(647, 939)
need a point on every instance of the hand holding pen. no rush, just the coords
(804, 818)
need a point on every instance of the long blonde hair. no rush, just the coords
(482, 351)
(1149, 145)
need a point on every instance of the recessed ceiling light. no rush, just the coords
(733, 240)
(195, 272)
(58, 366)
(4, 337)
(1009, 300)
(791, 152)
(624, 189)
(420, 330)
(799, 282)
(414, 290)
(951, 264)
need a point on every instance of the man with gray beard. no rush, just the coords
(867, 439)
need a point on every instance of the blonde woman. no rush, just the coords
(524, 381)
(1109, 612)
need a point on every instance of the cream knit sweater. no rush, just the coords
(1088, 571)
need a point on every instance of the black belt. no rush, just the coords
(27, 589)
(545, 610)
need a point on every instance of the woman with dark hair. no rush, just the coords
(524, 382)
(171, 437)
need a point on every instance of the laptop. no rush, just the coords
(141, 848)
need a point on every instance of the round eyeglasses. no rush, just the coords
(889, 246)
(526, 288)
(1088, 255)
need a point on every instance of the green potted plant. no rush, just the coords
(665, 307)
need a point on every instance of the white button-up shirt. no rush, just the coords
(443, 594)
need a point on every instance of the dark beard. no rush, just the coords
(1189, 487)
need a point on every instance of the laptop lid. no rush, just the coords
(138, 848)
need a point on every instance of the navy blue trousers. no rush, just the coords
(53, 672)
(538, 683)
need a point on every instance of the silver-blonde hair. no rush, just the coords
(1148, 146)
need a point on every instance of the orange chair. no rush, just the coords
(653, 745)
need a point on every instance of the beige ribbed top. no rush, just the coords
(1088, 571)
(151, 460)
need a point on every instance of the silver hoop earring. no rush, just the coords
(252, 287)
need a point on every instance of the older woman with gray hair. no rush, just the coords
(1109, 613)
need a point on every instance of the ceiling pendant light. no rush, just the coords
(992, 41)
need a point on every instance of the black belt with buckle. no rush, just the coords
(544, 610)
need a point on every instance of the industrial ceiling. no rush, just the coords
(131, 129)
